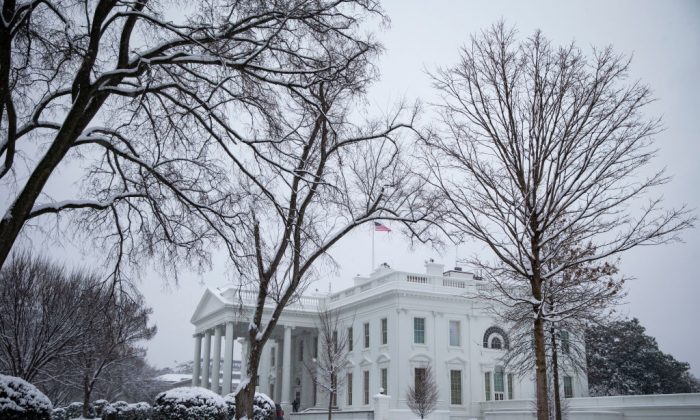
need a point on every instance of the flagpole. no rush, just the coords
(373, 230)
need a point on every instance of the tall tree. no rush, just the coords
(623, 360)
(540, 147)
(157, 110)
(330, 175)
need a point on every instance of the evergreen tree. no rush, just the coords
(623, 360)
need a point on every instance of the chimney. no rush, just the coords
(434, 269)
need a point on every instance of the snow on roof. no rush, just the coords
(174, 377)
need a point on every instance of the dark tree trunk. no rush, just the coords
(87, 390)
(541, 371)
(555, 376)
(244, 399)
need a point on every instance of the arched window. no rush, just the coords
(495, 338)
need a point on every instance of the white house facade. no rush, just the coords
(399, 322)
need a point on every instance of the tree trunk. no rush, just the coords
(330, 404)
(555, 376)
(75, 122)
(244, 398)
(87, 390)
(541, 371)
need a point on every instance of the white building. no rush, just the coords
(400, 322)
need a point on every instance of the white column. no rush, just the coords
(244, 355)
(287, 366)
(197, 369)
(207, 360)
(216, 368)
(228, 358)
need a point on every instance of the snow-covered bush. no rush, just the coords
(230, 401)
(100, 406)
(75, 410)
(21, 400)
(59, 414)
(120, 410)
(189, 403)
(263, 406)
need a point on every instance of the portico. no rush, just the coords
(221, 323)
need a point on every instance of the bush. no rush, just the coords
(189, 403)
(230, 401)
(21, 400)
(59, 414)
(100, 406)
(120, 410)
(263, 406)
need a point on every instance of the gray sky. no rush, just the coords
(664, 37)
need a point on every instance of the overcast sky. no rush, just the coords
(663, 36)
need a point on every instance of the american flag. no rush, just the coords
(378, 227)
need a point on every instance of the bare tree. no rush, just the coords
(579, 297)
(326, 369)
(542, 147)
(422, 396)
(329, 177)
(39, 323)
(158, 111)
(119, 326)
(61, 329)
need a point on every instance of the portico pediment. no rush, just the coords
(209, 303)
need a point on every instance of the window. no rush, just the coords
(350, 339)
(496, 343)
(335, 340)
(487, 385)
(419, 376)
(301, 350)
(384, 331)
(456, 387)
(495, 332)
(272, 357)
(498, 385)
(366, 335)
(315, 391)
(454, 333)
(348, 398)
(365, 387)
(272, 391)
(564, 336)
(510, 386)
(568, 387)
(384, 379)
(419, 330)
(315, 348)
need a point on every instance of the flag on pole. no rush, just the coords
(378, 227)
